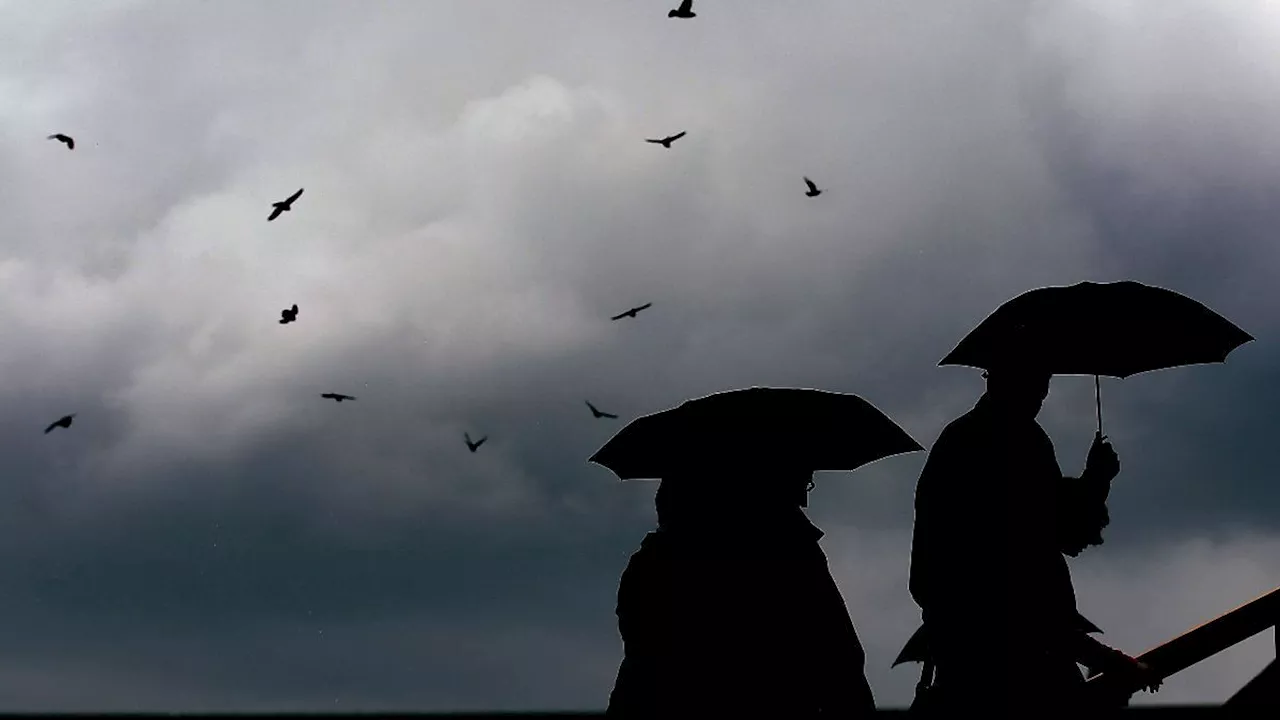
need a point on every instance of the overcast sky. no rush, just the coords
(210, 534)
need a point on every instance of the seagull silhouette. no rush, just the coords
(684, 11)
(64, 139)
(600, 413)
(337, 396)
(284, 205)
(472, 446)
(62, 422)
(666, 141)
(632, 312)
(813, 189)
(289, 315)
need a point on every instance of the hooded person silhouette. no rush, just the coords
(987, 566)
(729, 608)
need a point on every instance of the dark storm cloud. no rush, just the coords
(211, 534)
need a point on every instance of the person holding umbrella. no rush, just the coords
(728, 608)
(987, 565)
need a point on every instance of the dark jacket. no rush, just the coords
(739, 623)
(986, 566)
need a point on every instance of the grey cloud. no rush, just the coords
(478, 202)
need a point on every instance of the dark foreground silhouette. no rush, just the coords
(728, 609)
(987, 565)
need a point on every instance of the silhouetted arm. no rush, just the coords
(1094, 654)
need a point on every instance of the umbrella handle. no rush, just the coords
(1097, 396)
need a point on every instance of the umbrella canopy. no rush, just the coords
(798, 427)
(1116, 329)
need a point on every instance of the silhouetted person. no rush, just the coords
(813, 190)
(65, 140)
(62, 422)
(284, 205)
(987, 565)
(684, 11)
(666, 141)
(728, 609)
(336, 396)
(473, 446)
(598, 413)
(288, 315)
(632, 312)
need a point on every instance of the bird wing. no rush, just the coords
(295, 196)
(295, 308)
(656, 142)
(678, 135)
(809, 182)
(608, 415)
(51, 427)
(593, 407)
(686, 6)
(481, 441)
(619, 317)
(642, 307)
(71, 143)
(275, 213)
(329, 396)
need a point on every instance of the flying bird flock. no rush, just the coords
(290, 315)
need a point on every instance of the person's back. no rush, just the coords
(736, 612)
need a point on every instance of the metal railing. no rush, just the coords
(1207, 640)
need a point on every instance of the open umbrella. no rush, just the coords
(813, 428)
(1115, 329)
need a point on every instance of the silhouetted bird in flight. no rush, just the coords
(599, 413)
(813, 189)
(632, 312)
(63, 422)
(472, 446)
(337, 396)
(666, 141)
(64, 139)
(289, 315)
(684, 11)
(285, 205)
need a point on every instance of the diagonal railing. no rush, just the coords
(1205, 641)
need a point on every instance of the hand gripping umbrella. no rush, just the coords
(1115, 329)
(814, 429)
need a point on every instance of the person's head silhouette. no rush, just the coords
(1018, 381)
(1018, 391)
(732, 492)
